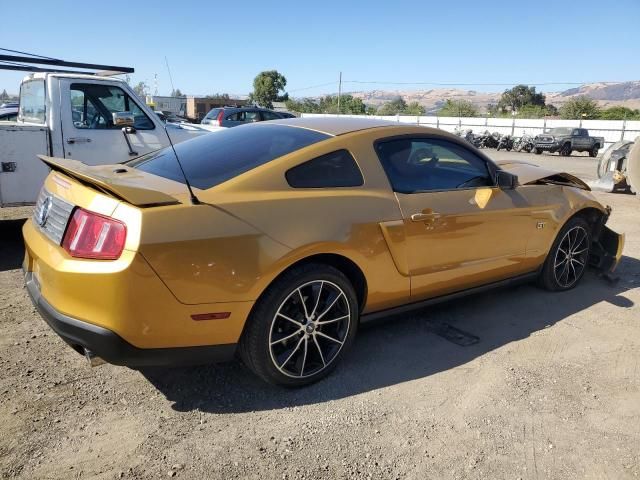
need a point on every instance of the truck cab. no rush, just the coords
(75, 116)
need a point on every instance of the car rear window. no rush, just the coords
(212, 113)
(220, 156)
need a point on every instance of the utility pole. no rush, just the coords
(339, 91)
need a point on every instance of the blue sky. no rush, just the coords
(218, 46)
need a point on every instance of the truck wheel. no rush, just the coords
(301, 326)
(594, 151)
(565, 151)
(537, 151)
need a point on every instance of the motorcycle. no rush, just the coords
(506, 142)
(524, 144)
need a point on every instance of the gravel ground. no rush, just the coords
(551, 390)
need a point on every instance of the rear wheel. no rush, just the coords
(567, 260)
(594, 151)
(301, 326)
(565, 151)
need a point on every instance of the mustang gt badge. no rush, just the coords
(44, 212)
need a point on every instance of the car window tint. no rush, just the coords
(266, 115)
(244, 116)
(93, 106)
(335, 169)
(212, 114)
(422, 165)
(215, 158)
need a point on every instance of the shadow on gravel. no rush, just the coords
(402, 348)
(11, 244)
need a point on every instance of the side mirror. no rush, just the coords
(123, 119)
(506, 180)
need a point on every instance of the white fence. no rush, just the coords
(611, 130)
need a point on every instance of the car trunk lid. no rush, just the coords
(122, 182)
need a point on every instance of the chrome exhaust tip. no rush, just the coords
(94, 361)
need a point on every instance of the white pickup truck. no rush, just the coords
(80, 117)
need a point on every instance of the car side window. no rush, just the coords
(266, 115)
(245, 116)
(416, 165)
(93, 106)
(335, 169)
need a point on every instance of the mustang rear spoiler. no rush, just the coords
(105, 178)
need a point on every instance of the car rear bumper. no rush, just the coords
(112, 348)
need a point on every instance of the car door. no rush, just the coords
(88, 131)
(578, 140)
(461, 230)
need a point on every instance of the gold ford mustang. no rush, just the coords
(274, 240)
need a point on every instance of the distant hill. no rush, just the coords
(606, 94)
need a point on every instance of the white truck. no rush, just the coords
(94, 119)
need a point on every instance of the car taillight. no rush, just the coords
(90, 235)
(219, 118)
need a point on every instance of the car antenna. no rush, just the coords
(194, 199)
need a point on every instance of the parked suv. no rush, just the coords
(566, 140)
(234, 116)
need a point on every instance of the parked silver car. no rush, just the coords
(234, 116)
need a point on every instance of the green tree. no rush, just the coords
(620, 113)
(579, 107)
(394, 107)
(414, 108)
(458, 108)
(4, 95)
(348, 105)
(371, 110)
(141, 89)
(519, 96)
(306, 105)
(267, 87)
(177, 93)
(536, 111)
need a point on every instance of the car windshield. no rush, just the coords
(560, 131)
(217, 157)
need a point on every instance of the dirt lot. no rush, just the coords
(551, 390)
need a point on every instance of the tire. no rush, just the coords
(593, 153)
(562, 271)
(565, 151)
(537, 151)
(498, 148)
(286, 341)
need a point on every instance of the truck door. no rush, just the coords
(88, 131)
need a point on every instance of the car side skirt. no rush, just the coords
(520, 279)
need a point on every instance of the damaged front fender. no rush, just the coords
(606, 248)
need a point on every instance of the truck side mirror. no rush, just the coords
(506, 180)
(123, 119)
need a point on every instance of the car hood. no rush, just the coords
(529, 173)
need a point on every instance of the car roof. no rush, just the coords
(336, 125)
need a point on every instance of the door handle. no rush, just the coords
(78, 140)
(423, 217)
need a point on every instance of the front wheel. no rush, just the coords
(565, 151)
(594, 151)
(537, 151)
(301, 327)
(568, 258)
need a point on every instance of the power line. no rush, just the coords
(447, 84)
(314, 86)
